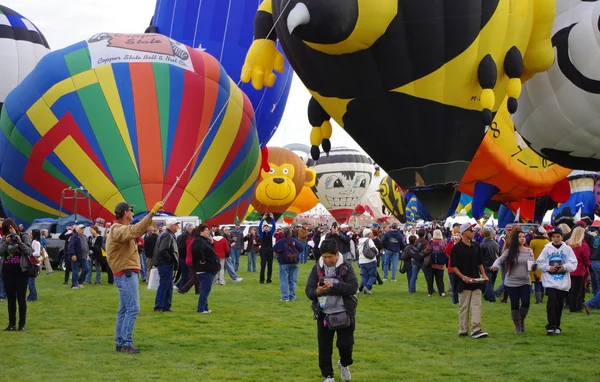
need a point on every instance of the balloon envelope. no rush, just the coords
(225, 29)
(121, 115)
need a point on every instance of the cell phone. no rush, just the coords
(128, 272)
(322, 283)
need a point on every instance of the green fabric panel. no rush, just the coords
(162, 80)
(219, 196)
(78, 61)
(120, 167)
(24, 212)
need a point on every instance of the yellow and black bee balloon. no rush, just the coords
(414, 82)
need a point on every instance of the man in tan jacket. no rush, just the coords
(124, 260)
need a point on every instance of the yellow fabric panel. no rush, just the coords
(42, 118)
(85, 170)
(24, 199)
(336, 107)
(84, 79)
(58, 90)
(108, 84)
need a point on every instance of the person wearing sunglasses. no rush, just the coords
(124, 260)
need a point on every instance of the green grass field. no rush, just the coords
(252, 336)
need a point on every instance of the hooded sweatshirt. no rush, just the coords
(361, 243)
(221, 246)
(551, 256)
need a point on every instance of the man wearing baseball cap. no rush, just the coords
(124, 260)
(466, 261)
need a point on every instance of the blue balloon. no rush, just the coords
(225, 30)
(414, 209)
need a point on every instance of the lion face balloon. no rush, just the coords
(278, 188)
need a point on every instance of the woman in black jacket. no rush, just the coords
(14, 255)
(332, 286)
(207, 265)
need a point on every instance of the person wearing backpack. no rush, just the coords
(438, 262)
(14, 265)
(331, 287)
(393, 242)
(367, 260)
(288, 250)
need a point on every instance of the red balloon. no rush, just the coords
(359, 209)
(561, 192)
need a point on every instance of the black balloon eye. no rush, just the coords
(338, 184)
(363, 183)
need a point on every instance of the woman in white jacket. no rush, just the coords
(556, 261)
(368, 266)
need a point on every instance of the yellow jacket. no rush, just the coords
(121, 246)
(536, 245)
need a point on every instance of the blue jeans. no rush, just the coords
(368, 275)
(251, 261)
(453, 281)
(229, 267)
(288, 277)
(206, 280)
(304, 254)
(390, 259)
(98, 273)
(143, 267)
(76, 266)
(32, 290)
(489, 286)
(596, 269)
(2, 291)
(164, 294)
(412, 286)
(183, 271)
(129, 308)
(500, 289)
(594, 302)
(234, 255)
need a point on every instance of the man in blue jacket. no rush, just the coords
(393, 243)
(79, 256)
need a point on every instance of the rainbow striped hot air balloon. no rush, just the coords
(121, 115)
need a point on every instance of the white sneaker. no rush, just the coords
(344, 372)
(238, 280)
(556, 331)
(329, 379)
(175, 287)
(207, 312)
(367, 291)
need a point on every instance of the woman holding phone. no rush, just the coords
(518, 261)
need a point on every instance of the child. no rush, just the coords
(556, 261)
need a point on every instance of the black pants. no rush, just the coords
(554, 307)
(576, 293)
(67, 269)
(15, 284)
(427, 271)
(266, 259)
(520, 297)
(345, 343)
(439, 280)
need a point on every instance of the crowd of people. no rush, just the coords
(560, 263)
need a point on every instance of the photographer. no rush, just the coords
(13, 252)
(266, 248)
(331, 286)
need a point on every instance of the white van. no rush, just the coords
(182, 220)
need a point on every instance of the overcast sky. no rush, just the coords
(65, 22)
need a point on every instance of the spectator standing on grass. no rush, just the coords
(79, 258)
(95, 245)
(166, 259)
(517, 259)
(47, 264)
(193, 277)
(537, 244)
(455, 238)
(393, 242)
(237, 246)
(288, 252)
(253, 240)
(578, 276)
(266, 249)
(331, 287)
(149, 245)
(124, 259)
(380, 249)
(556, 261)
(489, 251)
(206, 264)
(36, 254)
(222, 249)
(143, 265)
(368, 266)
(438, 262)
(467, 266)
(181, 249)
(14, 247)
(66, 237)
(304, 234)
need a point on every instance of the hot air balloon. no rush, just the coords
(392, 198)
(558, 114)
(22, 46)
(277, 189)
(505, 169)
(372, 203)
(224, 29)
(415, 209)
(582, 201)
(304, 202)
(127, 117)
(343, 178)
(431, 72)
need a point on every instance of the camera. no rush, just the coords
(322, 283)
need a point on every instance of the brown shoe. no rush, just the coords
(588, 310)
(129, 350)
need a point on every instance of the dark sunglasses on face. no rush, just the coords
(131, 209)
